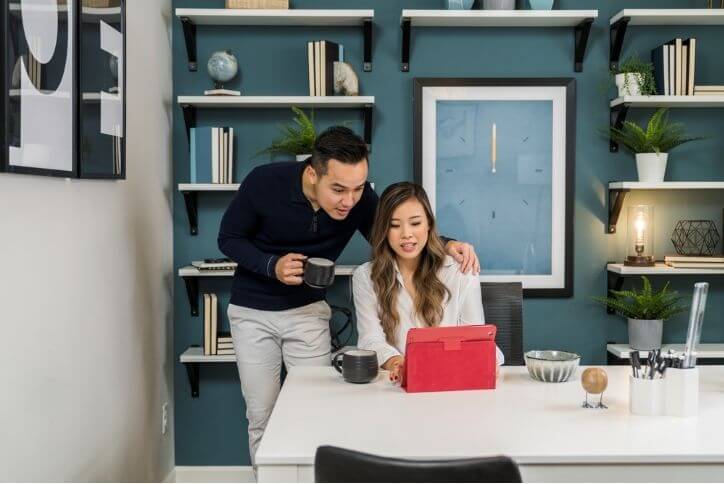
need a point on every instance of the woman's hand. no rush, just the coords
(465, 254)
(394, 366)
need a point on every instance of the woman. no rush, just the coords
(410, 282)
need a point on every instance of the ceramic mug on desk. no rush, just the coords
(318, 272)
(356, 366)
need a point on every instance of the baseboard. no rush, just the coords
(213, 474)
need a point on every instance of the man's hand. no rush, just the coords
(394, 366)
(464, 253)
(289, 269)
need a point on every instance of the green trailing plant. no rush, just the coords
(297, 137)
(660, 136)
(644, 70)
(644, 304)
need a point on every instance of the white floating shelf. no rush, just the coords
(191, 271)
(208, 187)
(290, 17)
(669, 101)
(666, 186)
(195, 354)
(277, 101)
(497, 18)
(671, 16)
(703, 350)
(659, 269)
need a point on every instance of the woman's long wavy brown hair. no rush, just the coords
(431, 292)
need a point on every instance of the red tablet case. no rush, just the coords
(450, 358)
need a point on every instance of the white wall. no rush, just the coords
(86, 297)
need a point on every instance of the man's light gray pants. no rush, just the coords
(262, 340)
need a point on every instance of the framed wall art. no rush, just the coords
(496, 157)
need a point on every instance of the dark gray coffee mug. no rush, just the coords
(318, 272)
(357, 366)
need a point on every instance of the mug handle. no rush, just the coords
(336, 362)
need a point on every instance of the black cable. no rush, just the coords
(336, 334)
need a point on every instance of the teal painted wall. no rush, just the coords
(211, 430)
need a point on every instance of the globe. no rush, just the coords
(222, 66)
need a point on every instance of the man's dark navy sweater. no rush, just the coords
(269, 218)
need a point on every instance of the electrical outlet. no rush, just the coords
(164, 418)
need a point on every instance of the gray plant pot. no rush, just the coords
(645, 334)
(499, 4)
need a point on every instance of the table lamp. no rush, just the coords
(639, 236)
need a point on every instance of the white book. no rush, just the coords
(718, 88)
(225, 170)
(693, 258)
(684, 70)
(696, 265)
(690, 77)
(672, 70)
(310, 67)
(317, 69)
(666, 70)
(230, 178)
(226, 352)
(214, 322)
(679, 57)
(214, 155)
(207, 324)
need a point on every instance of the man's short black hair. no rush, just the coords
(339, 143)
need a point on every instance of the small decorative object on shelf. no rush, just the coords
(222, 67)
(646, 312)
(296, 139)
(634, 77)
(459, 4)
(710, 4)
(541, 4)
(639, 236)
(499, 4)
(346, 82)
(595, 382)
(258, 4)
(651, 145)
(695, 237)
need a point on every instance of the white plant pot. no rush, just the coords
(651, 167)
(303, 157)
(634, 84)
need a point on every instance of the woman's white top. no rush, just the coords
(465, 306)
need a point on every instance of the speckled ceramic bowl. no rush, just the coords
(551, 366)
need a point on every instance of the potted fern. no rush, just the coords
(646, 312)
(651, 146)
(634, 77)
(297, 138)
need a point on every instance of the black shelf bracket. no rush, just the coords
(616, 118)
(614, 282)
(190, 198)
(617, 32)
(190, 38)
(192, 291)
(405, 61)
(580, 35)
(367, 113)
(367, 34)
(189, 119)
(192, 371)
(615, 202)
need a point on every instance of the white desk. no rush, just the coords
(541, 426)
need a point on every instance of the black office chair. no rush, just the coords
(503, 306)
(333, 464)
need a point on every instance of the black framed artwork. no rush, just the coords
(64, 109)
(497, 157)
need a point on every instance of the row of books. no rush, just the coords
(321, 56)
(711, 90)
(674, 67)
(694, 262)
(215, 341)
(212, 155)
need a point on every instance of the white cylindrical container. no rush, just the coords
(646, 397)
(682, 392)
(651, 167)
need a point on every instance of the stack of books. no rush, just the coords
(675, 67)
(215, 342)
(321, 56)
(223, 264)
(709, 90)
(212, 155)
(694, 262)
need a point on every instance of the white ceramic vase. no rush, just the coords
(630, 88)
(651, 167)
(645, 334)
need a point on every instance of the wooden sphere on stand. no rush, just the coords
(594, 380)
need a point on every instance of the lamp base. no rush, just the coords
(639, 261)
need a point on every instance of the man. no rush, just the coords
(282, 214)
